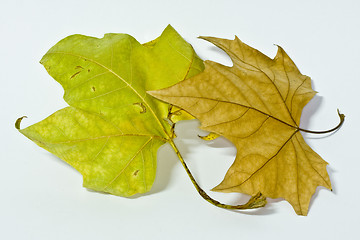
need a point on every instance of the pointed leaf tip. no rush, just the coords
(18, 121)
(210, 136)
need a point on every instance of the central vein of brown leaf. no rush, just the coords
(242, 105)
(265, 163)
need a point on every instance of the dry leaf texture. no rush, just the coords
(256, 104)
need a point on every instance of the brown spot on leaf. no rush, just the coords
(74, 75)
(136, 172)
(93, 88)
(143, 107)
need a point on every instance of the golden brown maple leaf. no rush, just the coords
(256, 104)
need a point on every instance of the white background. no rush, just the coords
(42, 198)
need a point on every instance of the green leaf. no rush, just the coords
(113, 128)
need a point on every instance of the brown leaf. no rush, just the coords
(257, 104)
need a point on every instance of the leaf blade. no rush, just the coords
(113, 128)
(98, 157)
(256, 104)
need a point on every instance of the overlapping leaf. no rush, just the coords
(112, 129)
(257, 104)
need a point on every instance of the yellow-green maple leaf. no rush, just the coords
(257, 104)
(112, 129)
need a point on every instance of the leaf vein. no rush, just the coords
(128, 163)
(123, 80)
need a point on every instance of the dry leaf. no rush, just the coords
(257, 104)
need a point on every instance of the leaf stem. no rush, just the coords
(256, 201)
(342, 119)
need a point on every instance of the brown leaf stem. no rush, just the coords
(342, 119)
(257, 201)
